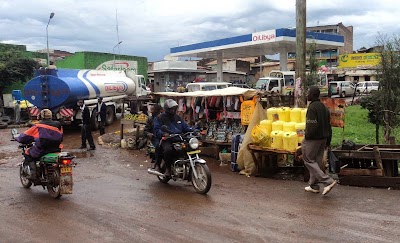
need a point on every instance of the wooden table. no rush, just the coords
(266, 159)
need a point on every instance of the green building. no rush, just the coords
(104, 61)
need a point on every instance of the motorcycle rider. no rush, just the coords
(155, 110)
(175, 125)
(47, 136)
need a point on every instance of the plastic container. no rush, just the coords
(131, 143)
(267, 125)
(295, 115)
(284, 114)
(303, 115)
(289, 127)
(17, 94)
(276, 139)
(272, 114)
(277, 126)
(300, 127)
(123, 143)
(289, 140)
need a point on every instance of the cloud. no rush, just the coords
(151, 27)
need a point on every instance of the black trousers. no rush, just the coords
(168, 151)
(31, 162)
(102, 125)
(86, 134)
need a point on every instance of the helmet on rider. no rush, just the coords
(46, 114)
(170, 106)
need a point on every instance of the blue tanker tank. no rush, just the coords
(52, 88)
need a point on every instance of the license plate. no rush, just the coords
(66, 170)
(194, 152)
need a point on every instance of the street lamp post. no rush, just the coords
(114, 52)
(47, 38)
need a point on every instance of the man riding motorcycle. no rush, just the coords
(47, 136)
(175, 125)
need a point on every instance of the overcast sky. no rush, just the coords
(150, 28)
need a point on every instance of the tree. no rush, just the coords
(14, 67)
(384, 106)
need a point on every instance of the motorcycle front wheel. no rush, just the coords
(23, 177)
(53, 188)
(203, 183)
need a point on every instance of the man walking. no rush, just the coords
(317, 137)
(101, 109)
(86, 131)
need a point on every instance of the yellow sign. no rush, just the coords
(359, 60)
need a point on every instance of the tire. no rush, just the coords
(55, 190)
(163, 179)
(3, 125)
(22, 176)
(343, 94)
(95, 124)
(358, 93)
(6, 119)
(203, 184)
(110, 115)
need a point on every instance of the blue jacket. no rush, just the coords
(175, 125)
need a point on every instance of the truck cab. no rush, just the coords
(273, 85)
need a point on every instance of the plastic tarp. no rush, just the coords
(230, 91)
(245, 160)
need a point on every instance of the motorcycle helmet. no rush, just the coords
(46, 114)
(170, 106)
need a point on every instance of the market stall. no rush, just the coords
(221, 114)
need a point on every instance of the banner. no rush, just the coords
(336, 108)
(359, 60)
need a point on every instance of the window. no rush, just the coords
(273, 83)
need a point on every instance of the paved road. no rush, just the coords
(115, 200)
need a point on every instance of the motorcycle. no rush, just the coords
(53, 171)
(189, 166)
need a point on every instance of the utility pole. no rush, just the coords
(300, 53)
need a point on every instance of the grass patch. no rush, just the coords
(357, 128)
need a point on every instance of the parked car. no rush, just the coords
(204, 86)
(341, 88)
(241, 86)
(366, 87)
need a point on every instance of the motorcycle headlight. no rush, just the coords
(194, 143)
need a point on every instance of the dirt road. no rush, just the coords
(115, 200)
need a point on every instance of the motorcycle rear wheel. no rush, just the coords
(22, 176)
(54, 188)
(203, 184)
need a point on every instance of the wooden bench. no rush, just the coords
(266, 160)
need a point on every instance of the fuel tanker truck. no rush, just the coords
(60, 89)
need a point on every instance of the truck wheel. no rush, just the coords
(3, 125)
(95, 124)
(110, 115)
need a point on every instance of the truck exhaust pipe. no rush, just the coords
(154, 172)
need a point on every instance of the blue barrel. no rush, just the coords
(17, 95)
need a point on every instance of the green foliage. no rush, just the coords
(14, 67)
(357, 129)
(312, 74)
(384, 107)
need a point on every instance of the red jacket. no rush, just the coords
(46, 135)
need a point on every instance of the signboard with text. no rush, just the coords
(359, 60)
(263, 36)
(119, 65)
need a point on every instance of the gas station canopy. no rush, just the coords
(268, 42)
